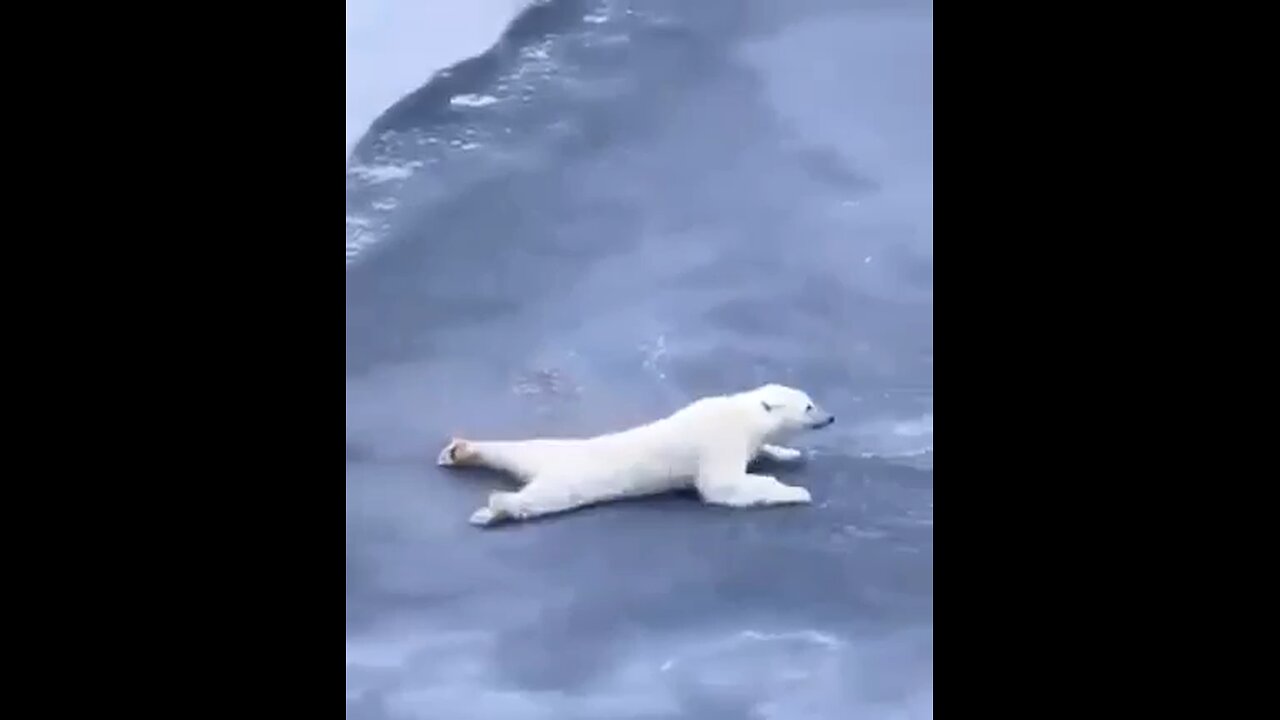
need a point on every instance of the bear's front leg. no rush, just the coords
(723, 480)
(777, 453)
(749, 490)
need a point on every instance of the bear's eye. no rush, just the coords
(808, 408)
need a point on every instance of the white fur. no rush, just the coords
(705, 445)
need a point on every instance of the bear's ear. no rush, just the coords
(767, 407)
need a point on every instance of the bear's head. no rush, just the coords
(788, 410)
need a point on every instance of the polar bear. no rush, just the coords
(705, 445)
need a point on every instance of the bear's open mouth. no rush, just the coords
(823, 423)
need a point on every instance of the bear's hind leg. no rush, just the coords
(537, 499)
(511, 458)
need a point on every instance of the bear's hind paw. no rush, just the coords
(455, 453)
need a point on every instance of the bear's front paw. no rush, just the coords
(483, 517)
(801, 495)
(790, 494)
